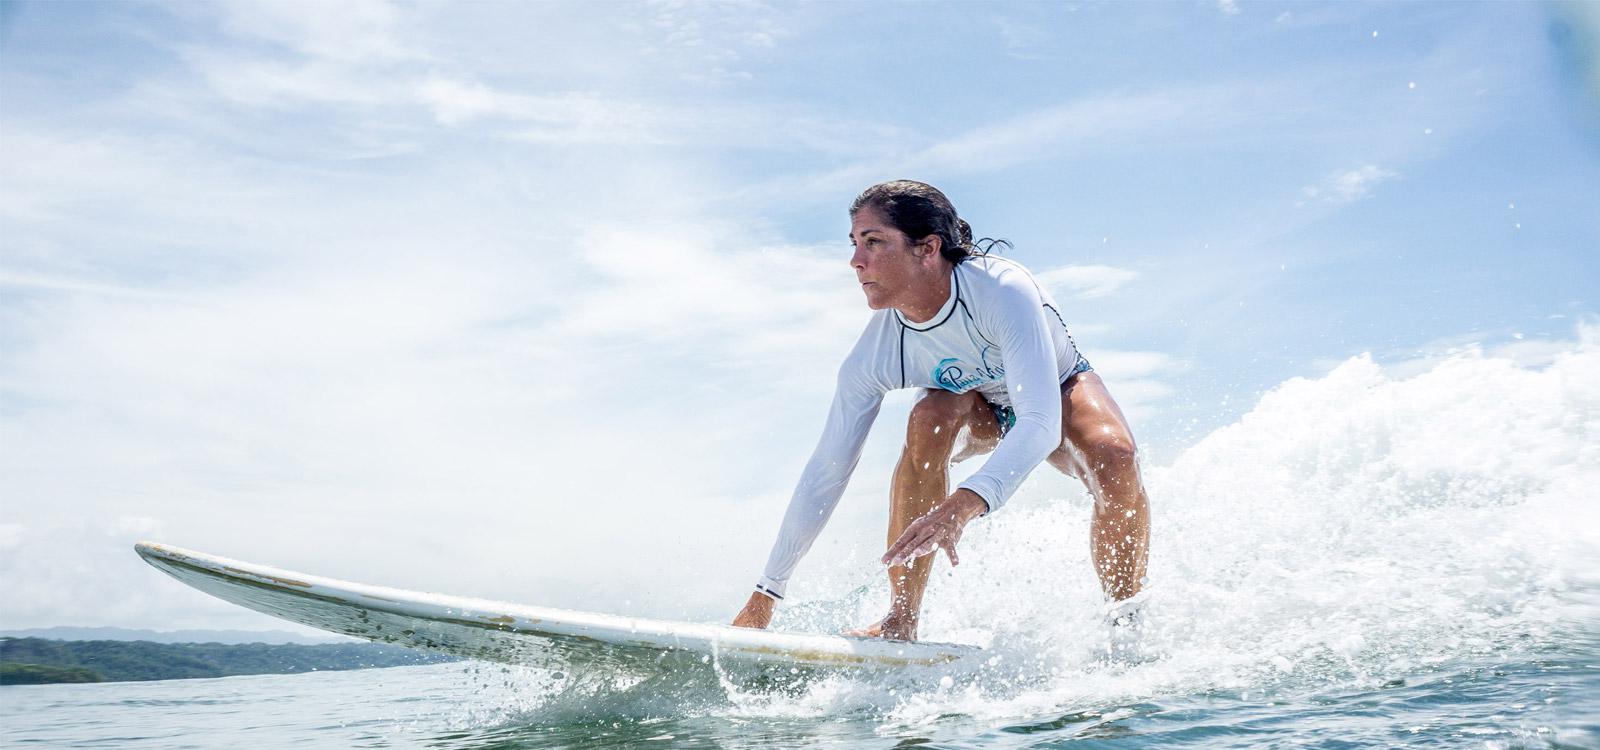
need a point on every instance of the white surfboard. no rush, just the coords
(520, 634)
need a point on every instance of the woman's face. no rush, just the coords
(889, 265)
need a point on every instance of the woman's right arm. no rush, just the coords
(856, 401)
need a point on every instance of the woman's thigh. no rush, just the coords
(1090, 421)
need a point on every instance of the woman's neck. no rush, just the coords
(931, 298)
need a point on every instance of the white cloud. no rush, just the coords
(50, 177)
(1159, 118)
(355, 32)
(11, 535)
(281, 53)
(558, 119)
(783, 315)
(1139, 380)
(734, 298)
(1086, 282)
(277, 83)
(75, 571)
(707, 43)
(376, 54)
(455, 102)
(1345, 186)
(1009, 141)
(1135, 363)
(1228, 7)
(28, 282)
(544, 115)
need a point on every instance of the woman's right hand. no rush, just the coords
(757, 612)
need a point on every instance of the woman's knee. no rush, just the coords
(1111, 452)
(935, 419)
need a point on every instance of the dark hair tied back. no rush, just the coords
(921, 211)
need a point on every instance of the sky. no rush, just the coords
(542, 301)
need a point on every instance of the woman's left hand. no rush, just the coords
(940, 528)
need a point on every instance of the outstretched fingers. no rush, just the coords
(949, 545)
(915, 542)
(925, 535)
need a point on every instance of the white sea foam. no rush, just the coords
(1349, 529)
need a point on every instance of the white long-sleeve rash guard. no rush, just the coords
(999, 333)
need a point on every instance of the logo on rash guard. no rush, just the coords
(952, 376)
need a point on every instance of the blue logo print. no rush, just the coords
(952, 376)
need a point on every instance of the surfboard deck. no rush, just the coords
(521, 634)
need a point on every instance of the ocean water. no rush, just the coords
(1401, 557)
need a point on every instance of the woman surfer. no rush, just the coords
(996, 371)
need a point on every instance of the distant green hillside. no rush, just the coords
(33, 661)
(13, 673)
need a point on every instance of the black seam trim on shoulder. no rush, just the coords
(902, 355)
(955, 279)
(1066, 331)
(975, 327)
(1059, 320)
(1040, 290)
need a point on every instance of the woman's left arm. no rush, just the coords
(1017, 318)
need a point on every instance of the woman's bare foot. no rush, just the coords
(892, 627)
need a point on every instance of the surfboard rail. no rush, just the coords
(518, 633)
